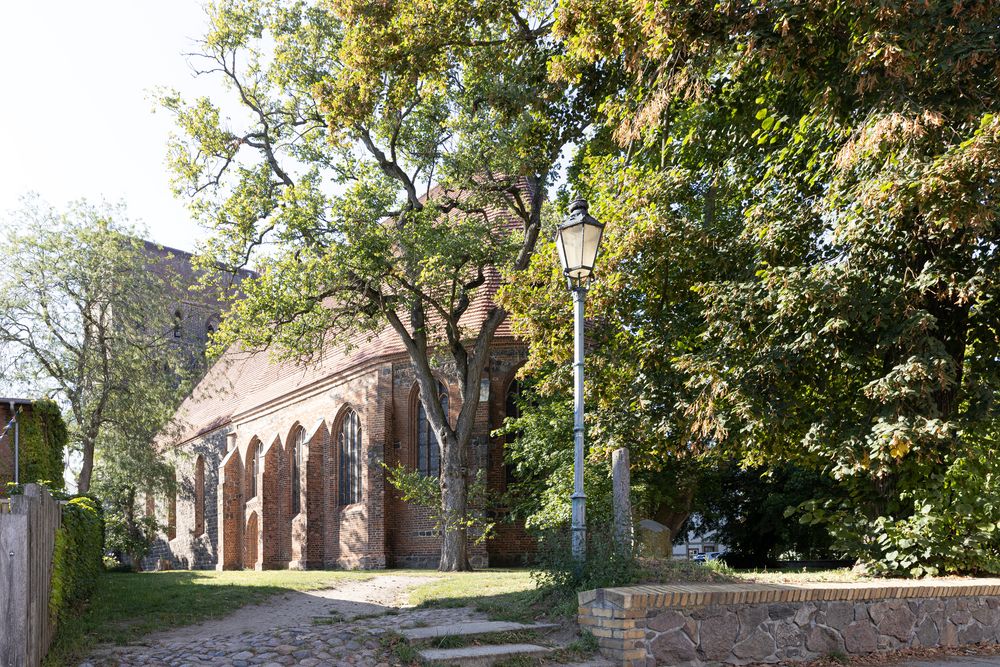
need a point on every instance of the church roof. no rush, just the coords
(242, 381)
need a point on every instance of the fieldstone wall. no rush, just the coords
(744, 624)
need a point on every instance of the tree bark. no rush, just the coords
(83, 481)
(454, 505)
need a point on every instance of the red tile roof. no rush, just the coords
(240, 381)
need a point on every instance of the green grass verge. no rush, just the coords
(126, 606)
(506, 595)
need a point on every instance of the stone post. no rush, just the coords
(621, 501)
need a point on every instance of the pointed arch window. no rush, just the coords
(253, 467)
(350, 459)
(199, 496)
(296, 472)
(512, 410)
(428, 448)
(172, 509)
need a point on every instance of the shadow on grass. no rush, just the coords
(510, 596)
(127, 606)
(543, 603)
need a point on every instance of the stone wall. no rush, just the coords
(738, 624)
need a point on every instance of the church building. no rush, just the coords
(280, 464)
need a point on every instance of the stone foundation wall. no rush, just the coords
(741, 624)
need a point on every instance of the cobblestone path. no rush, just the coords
(341, 626)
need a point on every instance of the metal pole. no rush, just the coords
(17, 444)
(579, 499)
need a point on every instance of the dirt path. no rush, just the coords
(346, 601)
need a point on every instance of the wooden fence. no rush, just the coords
(28, 525)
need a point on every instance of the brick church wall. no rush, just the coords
(188, 550)
(382, 530)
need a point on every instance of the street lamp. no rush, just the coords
(578, 240)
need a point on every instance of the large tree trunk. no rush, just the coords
(83, 481)
(454, 504)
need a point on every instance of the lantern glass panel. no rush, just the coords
(591, 242)
(571, 240)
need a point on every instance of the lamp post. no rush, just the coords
(578, 240)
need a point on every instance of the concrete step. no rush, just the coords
(482, 656)
(470, 629)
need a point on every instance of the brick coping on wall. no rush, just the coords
(669, 596)
(733, 624)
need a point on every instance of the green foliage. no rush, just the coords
(43, 439)
(833, 168)
(77, 561)
(111, 564)
(127, 533)
(86, 316)
(424, 491)
(605, 565)
(949, 525)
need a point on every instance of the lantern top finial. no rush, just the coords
(578, 205)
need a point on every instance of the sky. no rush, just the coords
(76, 107)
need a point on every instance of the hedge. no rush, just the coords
(42, 444)
(77, 561)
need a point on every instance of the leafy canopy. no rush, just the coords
(857, 145)
(86, 318)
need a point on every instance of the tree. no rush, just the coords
(86, 318)
(859, 337)
(394, 160)
(674, 216)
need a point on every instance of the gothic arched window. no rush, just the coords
(199, 496)
(428, 448)
(512, 410)
(253, 467)
(350, 458)
(296, 472)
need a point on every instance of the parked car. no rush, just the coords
(704, 558)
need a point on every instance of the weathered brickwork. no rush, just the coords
(744, 624)
(190, 549)
(247, 529)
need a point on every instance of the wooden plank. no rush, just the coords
(27, 542)
(13, 588)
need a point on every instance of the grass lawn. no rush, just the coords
(685, 572)
(126, 606)
(508, 595)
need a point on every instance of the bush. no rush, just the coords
(77, 560)
(948, 524)
(418, 489)
(605, 565)
(128, 534)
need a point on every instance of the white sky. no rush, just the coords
(76, 109)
